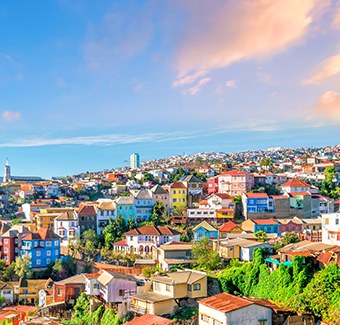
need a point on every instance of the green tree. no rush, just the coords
(132, 224)
(261, 235)
(205, 258)
(266, 163)
(22, 267)
(81, 308)
(90, 235)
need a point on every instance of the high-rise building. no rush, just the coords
(134, 161)
(7, 173)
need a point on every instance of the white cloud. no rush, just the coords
(11, 116)
(189, 79)
(194, 90)
(231, 83)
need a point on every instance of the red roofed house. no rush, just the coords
(212, 185)
(295, 185)
(87, 218)
(142, 239)
(150, 319)
(221, 201)
(270, 226)
(229, 228)
(235, 182)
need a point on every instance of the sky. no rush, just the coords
(84, 84)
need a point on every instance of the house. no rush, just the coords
(92, 284)
(235, 182)
(115, 287)
(295, 185)
(11, 240)
(196, 216)
(221, 201)
(168, 291)
(331, 228)
(289, 225)
(125, 207)
(68, 290)
(105, 210)
(206, 170)
(212, 183)
(87, 218)
(269, 226)
(204, 229)
(256, 203)
(143, 201)
(29, 208)
(173, 253)
(142, 239)
(42, 246)
(178, 195)
(224, 215)
(311, 228)
(194, 187)
(326, 205)
(225, 309)
(150, 319)
(7, 291)
(229, 228)
(27, 291)
(66, 226)
(241, 249)
(46, 220)
(161, 195)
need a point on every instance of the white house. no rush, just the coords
(142, 239)
(6, 290)
(27, 208)
(331, 228)
(106, 209)
(221, 201)
(295, 185)
(67, 227)
(225, 309)
(92, 283)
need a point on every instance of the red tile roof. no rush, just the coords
(257, 195)
(295, 194)
(203, 202)
(153, 231)
(325, 257)
(177, 185)
(226, 210)
(224, 196)
(234, 172)
(228, 226)
(120, 243)
(264, 221)
(42, 233)
(225, 302)
(294, 182)
(150, 319)
(87, 210)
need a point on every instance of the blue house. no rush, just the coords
(257, 203)
(270, 226)
(204, 229)
(143, 202)
(42, 246)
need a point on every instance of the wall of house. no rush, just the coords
(229, 252)
(199, 293)
(250, 315)
(248, 225)
(212, 314)
(181, 291)
(119, 284)
(167, 306)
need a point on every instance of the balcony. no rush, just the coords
(26, 247)
(138, 309)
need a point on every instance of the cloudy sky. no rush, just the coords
(83, 84)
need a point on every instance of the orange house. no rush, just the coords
(229, 228)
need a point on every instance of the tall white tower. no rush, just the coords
(134, 161)
(7, 173)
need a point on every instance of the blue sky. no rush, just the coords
(83, 84)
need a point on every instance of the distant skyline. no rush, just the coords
(84, 84)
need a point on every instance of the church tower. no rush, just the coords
(7, 173)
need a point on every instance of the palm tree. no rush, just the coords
(266, 163)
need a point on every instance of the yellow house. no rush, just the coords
(225, 215)
(229, 228)
(178, 195)
(55, 210)
(46, 220)
(27, 291)
(168, 289)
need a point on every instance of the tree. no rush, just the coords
(81, 308)
(22, 267)
(206, 258)
(157, 212)
(179, 211)
(132, 224)
(90, 235)
(261, 235)
(290, 238)
(266, 163)
(89, 249)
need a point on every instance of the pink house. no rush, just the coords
(289, 225)
(212, 185)
(235, 182)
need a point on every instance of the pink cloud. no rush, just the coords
(194, 90)
(231, 83)
(325, 70)
(328, 106)
(189, 79)
(11, 116)
(219, 33)
(336, 21)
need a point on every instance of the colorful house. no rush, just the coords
(27, 291)
(212, 185)
(256, 203)
(269, 226)
(125, 207)
(42, 246)
(143, 201)
(229, 228)
(161, 195)
(178, 195)
(289, 225)
(235, 182)
(204, 229)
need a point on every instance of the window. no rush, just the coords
(16, 240)
(168, 288)
(263, 322)
(56, 243)
(183, 199)
(183, 191)
(48, 244)
(197, 287)
(336, 221)
(16, 249)
(205, 318)
(6, 241)
(174, 191)
(157, 286)
(179, 200)
(25, 291)
(189, 287)
(38, 262)
(56, 252)
(38, 253)
(174, 200)
(166, 205)
(6, 250)
(48, 253)
(42, 243)
(48, 261)
(60, 292)
(121, 292)
(216, 322)
(35, 244)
